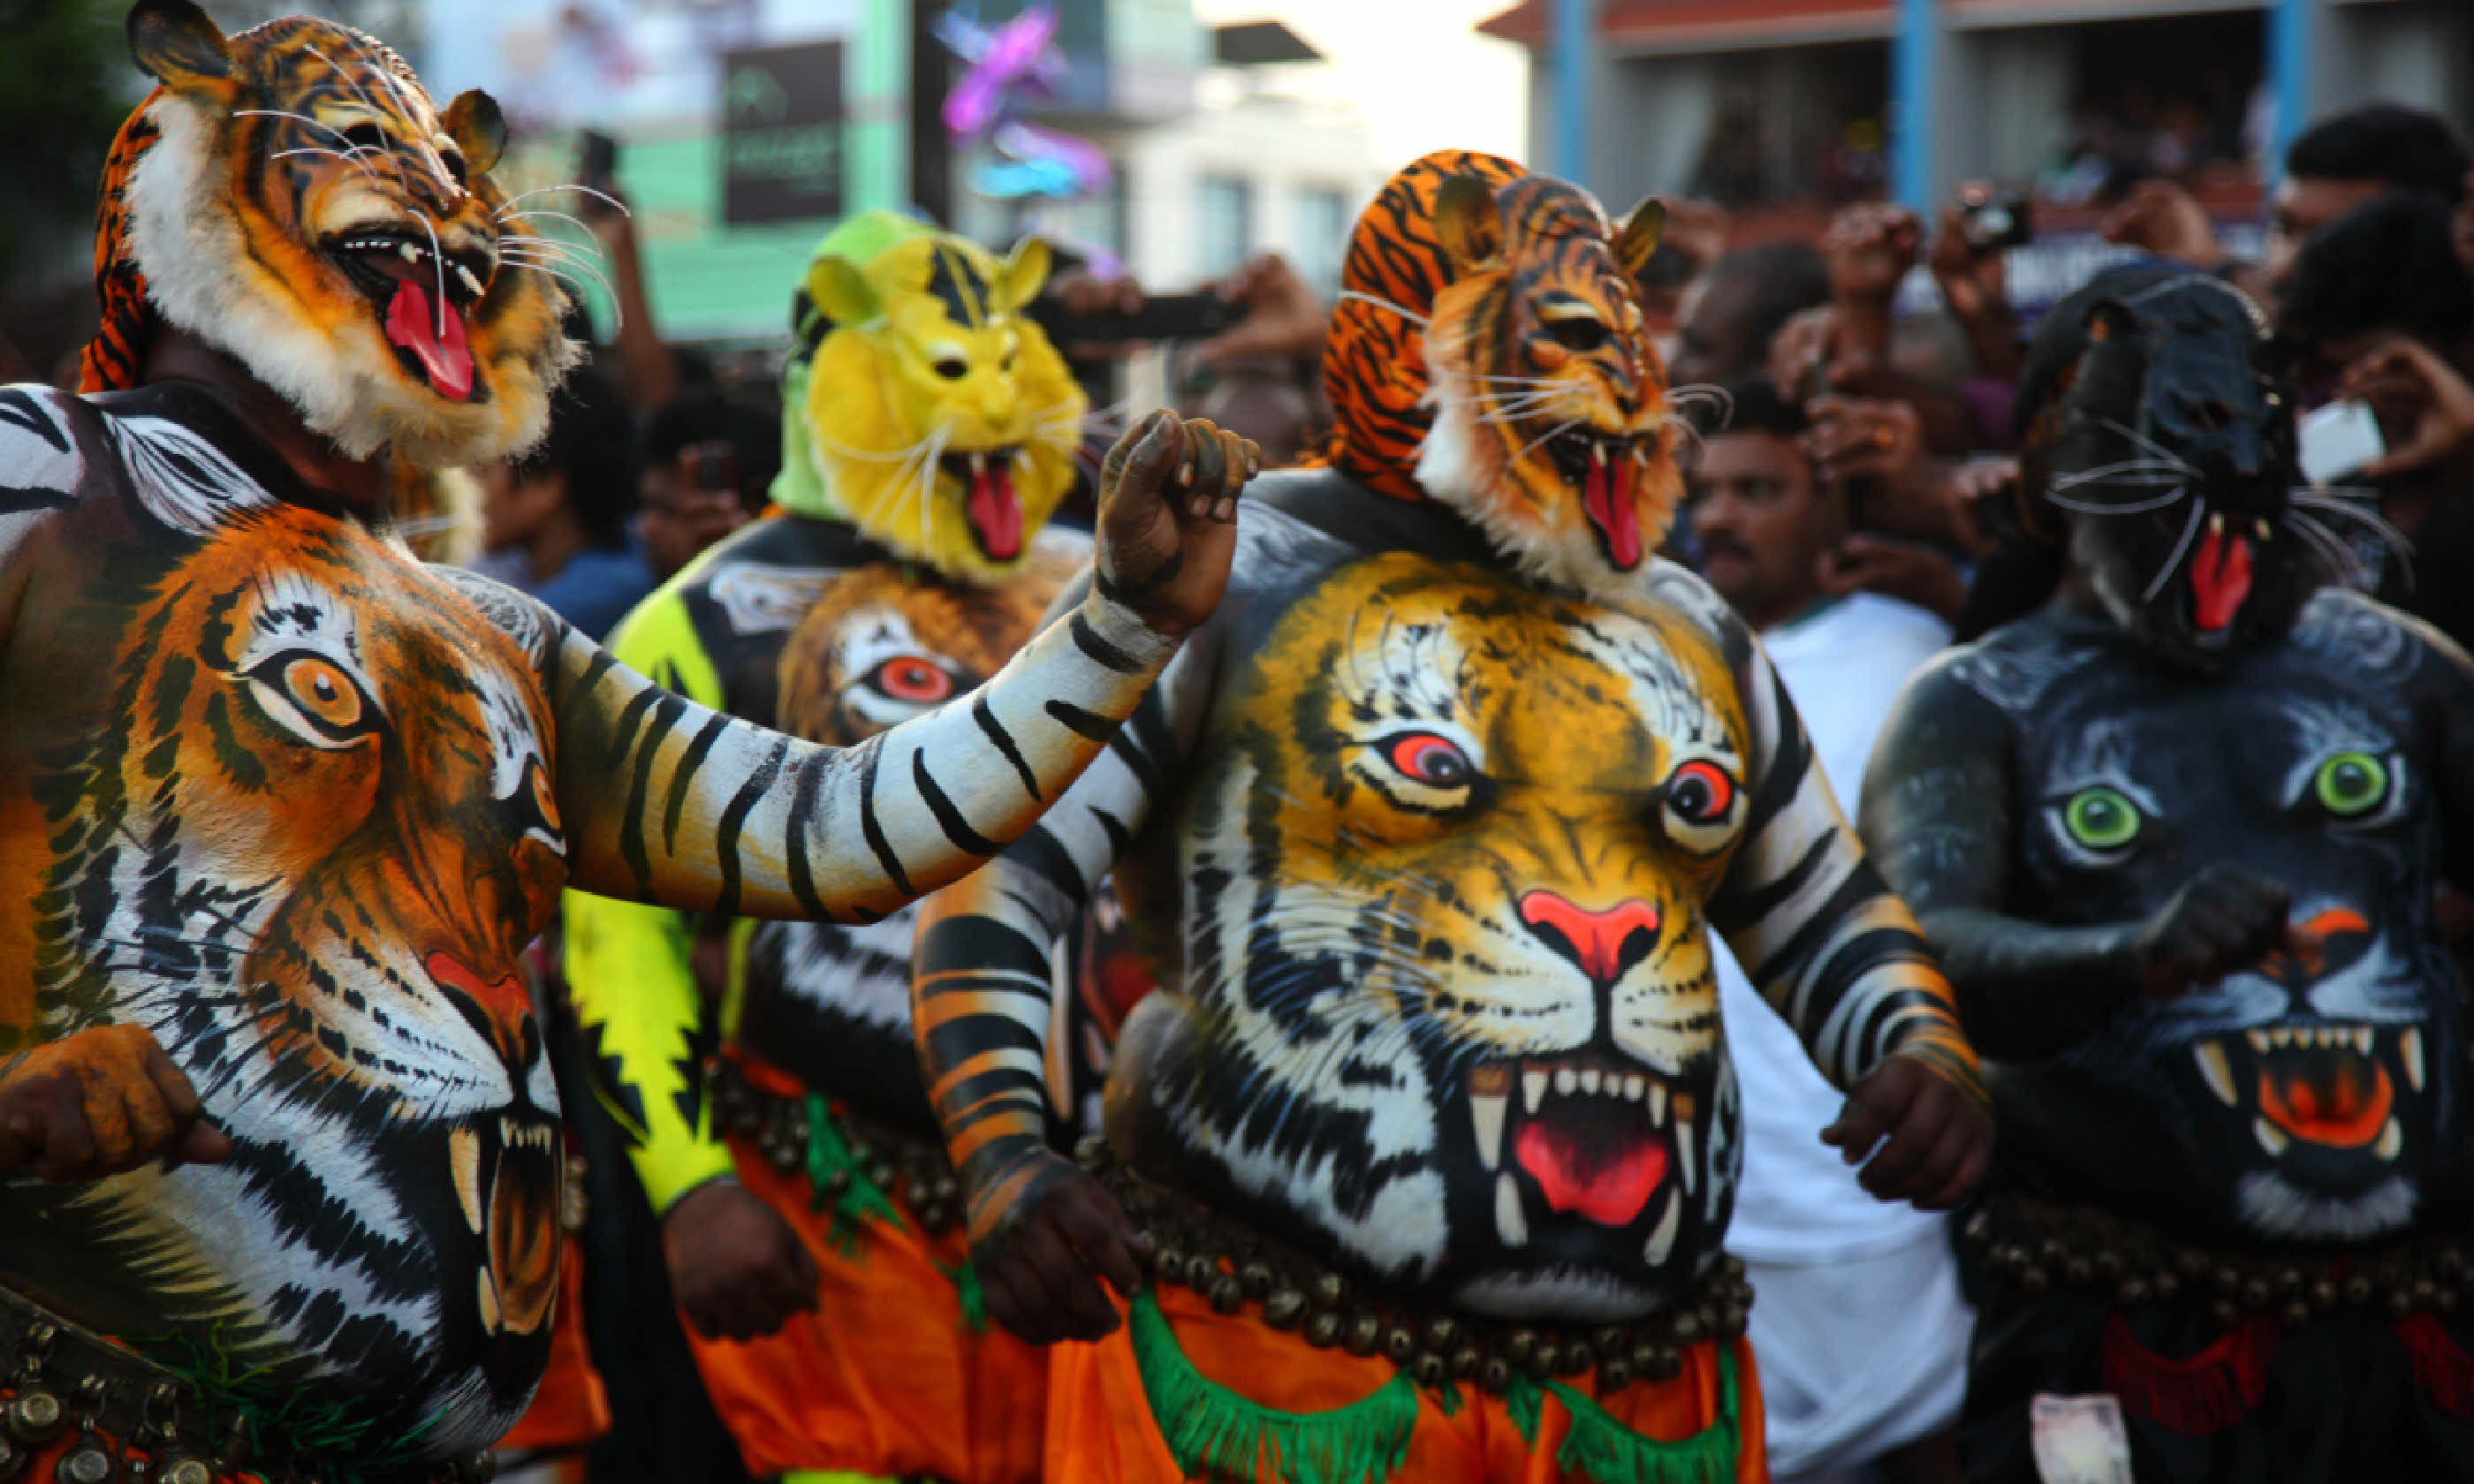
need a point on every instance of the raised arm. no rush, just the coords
(672, 802)
(1842, 961)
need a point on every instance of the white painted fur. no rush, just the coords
(1447, 469)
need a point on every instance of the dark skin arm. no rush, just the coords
(1939, 818)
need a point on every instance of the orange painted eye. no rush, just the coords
(542, 800)
(1701, 791)
(1435, 761)
(324, 692)
(913, 678)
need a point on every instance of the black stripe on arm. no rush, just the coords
(1786, 766)
(1732, 910)
(622, 732)
(867, 823)
(1041, 854)
(684, 774)
(1002, 741)
(725, 835)
(1813, 934)
(1123, 746)
(802, 809)
(667, 711)
(1103, 654)
(948, 818)
(1081, 723)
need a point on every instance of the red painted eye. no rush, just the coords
(909, 678)
(1701, 791)
(1430, 759)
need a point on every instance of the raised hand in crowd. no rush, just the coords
(645, 365)
(1909, 570)
(1974, 283)
(2161, 218)
(1285, 319)
(2405, 374)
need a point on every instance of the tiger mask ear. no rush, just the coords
(840, 292)
(180, 46)
(1470, 225)
(478, 129)
(1020, 280)
(1637, 238)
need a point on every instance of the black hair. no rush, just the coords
(1754, 406)
(752, 432)
(1785, 275)
(2387, 142)
(2386, 265)
(592, 441)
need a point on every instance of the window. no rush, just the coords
(1226, 233)
(1321, 236)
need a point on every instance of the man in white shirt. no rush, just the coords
(1858, 1322)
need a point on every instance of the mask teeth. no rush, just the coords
(2216, 524)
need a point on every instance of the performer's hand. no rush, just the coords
(100, 1102)
(2226, 920)
(1168, 518)
(1934, 1141)
(736, 1268)
(1037, 1269)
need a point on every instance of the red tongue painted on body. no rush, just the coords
(1606, 1184)
(411, 324)
(2220, 579)
(1606, 494)
(994, 511)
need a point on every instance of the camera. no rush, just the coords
(1992, 223)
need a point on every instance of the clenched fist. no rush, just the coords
(100, 1102)
(1168, 519)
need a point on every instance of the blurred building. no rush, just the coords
(1795, 102)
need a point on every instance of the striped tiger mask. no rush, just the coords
(291, 196)
(1551, 428)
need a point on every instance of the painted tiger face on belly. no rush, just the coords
(1452, 996)
(307, 854)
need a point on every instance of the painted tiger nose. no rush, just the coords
(499, 1008)
(1605, 944)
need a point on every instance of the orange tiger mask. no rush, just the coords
(1489, 352)
(291, 196)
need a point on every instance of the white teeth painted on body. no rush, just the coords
(2391, 1141)
(2270, 1137)
(2217, 1071)
(1486, 1114)
(1566, 1081)
(2258, 1040)
(1683, 1152)
(2410, 1052)
(1662, 1241)
(2362, 1039)
(464, 1155)
(1589, 1080)
(1658, 1105)
(1533, 1091)
(1633, 1087)
(1511, 1226)
(489, 1303)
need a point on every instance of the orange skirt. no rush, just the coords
(884, 1378)
(570, 1411)
(1102, 1423)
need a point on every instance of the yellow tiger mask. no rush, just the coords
(291, 196)
(936, 417)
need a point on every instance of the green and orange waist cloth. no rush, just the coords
(1243, 1359)
(897, 1371)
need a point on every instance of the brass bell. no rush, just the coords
(2297, 1312)
(1731, 1322)
(880, 1175)
(1169, 1263)
(1329, 1289)
(2225, 1311)
(2078, 1271)
(1323, 1331)
(1687, 1327)
(2167, 1285)
(781, 1156)
(1284, 1309)
(2108, 1265)
(1258, 1278)
(1399, 1344)
(12, 1460)
(36, 1415)
(1427, 1370)
(1517, 1346)
(2227, 1280)
(1201, 1271)
(1466, 1361)
(87, 1463)
(1365, 1332)
(479, 1468)
(2400, 1304)
(862, 1155)
(1544, 1360)
(1440, 1332)
(2034, 1280)
(2132, 1291)
(1227, 1294)
(1614, 1376)
(1609, 1340)
(1576, 1358)
(1091, 1152)
(2255, 1294)
(2358, 1288)
(180, 1468)
(1979, 1227)
(1494, 1374)
(2192, 1262)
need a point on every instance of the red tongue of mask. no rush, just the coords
(994, 511)
(410, 324)
(1609, 1184)
(1606, 494)
(2220, 579)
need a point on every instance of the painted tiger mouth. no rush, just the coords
(2325, 1093)
(1590, 1138)
(422, 294)
(507, 1172)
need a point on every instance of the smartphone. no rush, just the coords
(1165, 316)
(596, 160)
(2336, 439)
(1996, 222)
(713, 467)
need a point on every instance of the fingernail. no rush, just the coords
(1227, 508)
(1202, 507)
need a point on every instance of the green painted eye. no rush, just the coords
(2101, 818)
(2352, 783)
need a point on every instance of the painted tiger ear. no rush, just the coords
(840, 291)
(1637, 238)
(1470, 225)
(180, 46)
(1025, 271)
(478, 129)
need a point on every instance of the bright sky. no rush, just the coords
(1417, 69)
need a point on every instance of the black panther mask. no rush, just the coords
(2162, 433)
